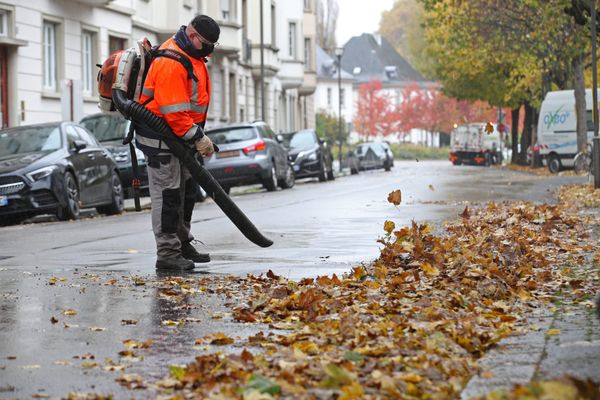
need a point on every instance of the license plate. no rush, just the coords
(296, 168)
(228, 154)
(3, 201)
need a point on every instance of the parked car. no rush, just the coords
(249, 153)
(310, 155)
(374, 155)
(56, 168)
(110, 130)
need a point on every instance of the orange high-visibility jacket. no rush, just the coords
(181, 101)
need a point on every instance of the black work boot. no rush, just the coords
(178, 263)
(188, 251)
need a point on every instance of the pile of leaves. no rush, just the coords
(579, 196)
(411, 324)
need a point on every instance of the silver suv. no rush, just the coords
(249, 153)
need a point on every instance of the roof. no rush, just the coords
(327, 67)
(371, 57)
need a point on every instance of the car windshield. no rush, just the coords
(225, 136)
(302, 139)
(106, 127)
(29, 139)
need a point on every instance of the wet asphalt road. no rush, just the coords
(318, 228)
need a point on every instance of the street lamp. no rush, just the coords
(338, 53)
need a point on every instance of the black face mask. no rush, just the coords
(206, 50)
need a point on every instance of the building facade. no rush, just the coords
(335, 88)
(49, 51)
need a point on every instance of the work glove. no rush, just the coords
(204, 146)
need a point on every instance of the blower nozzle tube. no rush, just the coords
(139, 113)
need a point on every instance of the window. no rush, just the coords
(273, 26)
(342, 94)
(72, 135)
(87, 62)
(89, 139)
(225, 9)
(116, 43)
(292, 39)
(307, 64)
(3, 23)
(329, 96)
(49, 46)
(307, 5)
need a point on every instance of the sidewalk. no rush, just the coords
(563, 340)
(129, 204)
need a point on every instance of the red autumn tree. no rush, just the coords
(429, 109)
(375, 113)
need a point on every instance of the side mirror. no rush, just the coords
(279, 138)
(79, 145)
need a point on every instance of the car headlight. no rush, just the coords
(41, 173)
(120, 155)
(309, 155)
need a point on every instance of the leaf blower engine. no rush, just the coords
(120, 83)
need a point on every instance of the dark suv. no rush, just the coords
(110, 130)
(249, 153)
(310, 155)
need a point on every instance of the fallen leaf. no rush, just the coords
(395, 197)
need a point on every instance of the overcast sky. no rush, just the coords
(359, 16)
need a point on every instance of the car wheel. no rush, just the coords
(290, 180)
(353, 171)
(71, 210)
(554, 164)
(116, 204)
(387, 165)
(322, 172)
(271, 182)
(330, 175)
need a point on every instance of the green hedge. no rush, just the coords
(414, 151)
(405, 152)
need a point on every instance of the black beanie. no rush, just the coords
(207, 27)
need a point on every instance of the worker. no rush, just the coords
(179, 92)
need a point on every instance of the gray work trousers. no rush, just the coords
(173, 195)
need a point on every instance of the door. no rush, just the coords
(99, 183)
(3, 87)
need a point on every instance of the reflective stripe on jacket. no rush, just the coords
(181, 101)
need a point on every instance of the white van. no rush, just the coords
(557, 137)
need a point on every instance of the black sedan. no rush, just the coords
(55, 168)
(310, 155)
(110, 130)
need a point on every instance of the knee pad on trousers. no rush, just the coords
(169, 217)
(191, 192)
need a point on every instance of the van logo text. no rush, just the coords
(554, 118)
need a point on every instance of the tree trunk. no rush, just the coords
(526, 135)
(514, 134)
(580, 106)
